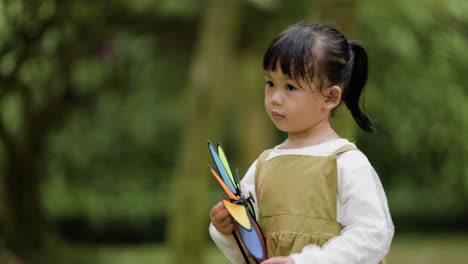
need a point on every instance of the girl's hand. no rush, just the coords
(221, 219)
(279, 260)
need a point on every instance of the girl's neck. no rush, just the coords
(311, 137)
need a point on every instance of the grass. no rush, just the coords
(150, 254)
(429, 249)
(414, 249)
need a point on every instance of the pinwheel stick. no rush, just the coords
(240, 247)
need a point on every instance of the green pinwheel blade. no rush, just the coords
(251, 209)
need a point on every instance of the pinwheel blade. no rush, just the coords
(254, 241)
(226, 189)
(223, 158)
(251, 209)
(239, 213)
(219, 164)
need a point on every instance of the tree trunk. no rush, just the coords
(257, 132)
(213, 69)
(23, 220)
(342, 15)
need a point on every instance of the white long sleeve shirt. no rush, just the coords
(362, 209)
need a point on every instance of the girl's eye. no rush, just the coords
(269, 84)
(290, 87)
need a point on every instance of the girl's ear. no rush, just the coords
(332, 97)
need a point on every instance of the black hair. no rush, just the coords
(308, 50)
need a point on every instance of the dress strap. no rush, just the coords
(261, 159)
(343, 149)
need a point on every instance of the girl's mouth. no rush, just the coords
(277, 116)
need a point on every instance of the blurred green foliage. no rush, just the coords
(420, 103)
(122, 149)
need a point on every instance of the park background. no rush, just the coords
(106, 108)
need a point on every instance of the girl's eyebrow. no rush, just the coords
(283, 78)
(287, 79)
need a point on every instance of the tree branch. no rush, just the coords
(26, 42)
(7, 139)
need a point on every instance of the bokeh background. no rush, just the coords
(106, 108)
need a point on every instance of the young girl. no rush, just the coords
(318, 199)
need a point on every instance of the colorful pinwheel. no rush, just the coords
(239, 207)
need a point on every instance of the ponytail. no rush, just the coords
(357, 80)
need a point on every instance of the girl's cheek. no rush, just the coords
(267, 101)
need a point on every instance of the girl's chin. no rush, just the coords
(288, 130)
(282, 128)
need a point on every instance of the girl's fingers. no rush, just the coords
(222, 214)
(226, 228)
(214, 210)
(221, 219)
(223, 224)
(218, 213)
(226, 223)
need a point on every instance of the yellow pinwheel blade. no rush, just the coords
(239, 213)
(223, 159)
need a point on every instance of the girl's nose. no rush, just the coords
(276, 97)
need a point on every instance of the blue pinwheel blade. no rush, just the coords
(253, 241)
(221, 169)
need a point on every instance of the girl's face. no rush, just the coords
(294, 107)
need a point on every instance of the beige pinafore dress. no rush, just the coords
(296, 196)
